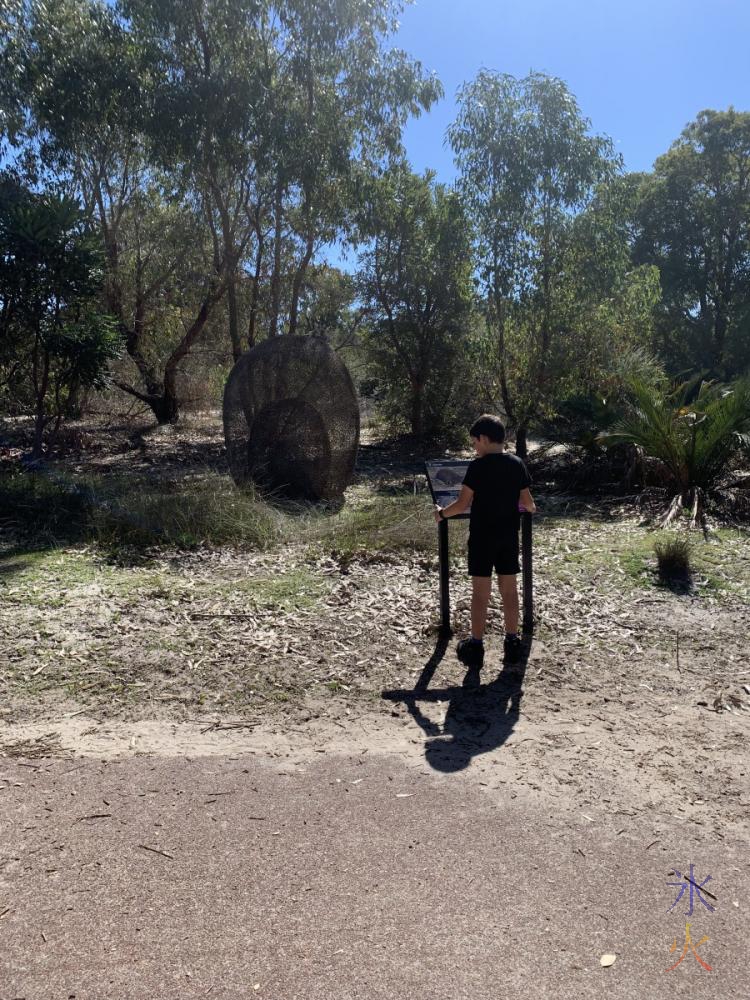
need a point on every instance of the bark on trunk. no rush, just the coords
(252, 325)
(234, 318)
(40, 378)
(521, 442)
(162, 397)
(720, 336)
(500, 330)
(417, 415)
(273, 327)
(299, 277)
(168, 407)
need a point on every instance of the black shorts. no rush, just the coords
(498, 554)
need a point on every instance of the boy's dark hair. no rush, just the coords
(490, 425)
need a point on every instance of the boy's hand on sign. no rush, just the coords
(436, 514)
(526, 503)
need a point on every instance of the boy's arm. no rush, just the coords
(526, 501)
(457, 507)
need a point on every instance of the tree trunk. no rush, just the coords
(234, 317)
(521, 442)
(166, 407)
(41, 385)
(73, 404)
(299, 277)
(499, 317)
(417, 416)
(167, 410)
(720, 336)
(39, 424)
(162, 397)
(273, 327)
(256, 292)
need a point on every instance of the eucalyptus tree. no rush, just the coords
(337, 102)
(695, 226)
(528, 164)
(268, 108)
(84, 88)
(607, 305)
(329, 306)
(239, 121)
(415, 281)
(13, 40)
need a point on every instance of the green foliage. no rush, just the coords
(694, 429)
(528, 165)
(220, 145)
(693, 222)
(49, 508)
(583, 415)
(415, 280)
(54, 337)
(217, 145)
(377, 528)
(13, 41)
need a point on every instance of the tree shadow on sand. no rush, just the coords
(480, 717)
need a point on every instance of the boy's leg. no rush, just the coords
(471, 651)
(509, 594)
(481, 590)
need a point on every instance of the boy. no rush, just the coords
(496, 485)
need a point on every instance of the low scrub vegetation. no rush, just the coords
(673, 557)
(694, 430)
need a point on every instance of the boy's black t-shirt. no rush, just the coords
(497, 480)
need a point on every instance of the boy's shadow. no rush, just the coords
(480, 717)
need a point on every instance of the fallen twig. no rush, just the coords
(155, 850)
(222, 615)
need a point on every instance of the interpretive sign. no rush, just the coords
(445, 479)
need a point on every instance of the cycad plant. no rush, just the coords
(693, 429)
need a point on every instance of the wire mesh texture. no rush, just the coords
(291, 420)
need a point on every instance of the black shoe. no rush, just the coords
(471, 654)
(512, 649)
(473, 679)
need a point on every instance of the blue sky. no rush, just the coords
(640, 69)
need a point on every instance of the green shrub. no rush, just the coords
(694, 434)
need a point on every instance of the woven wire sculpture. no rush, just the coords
(291, 420)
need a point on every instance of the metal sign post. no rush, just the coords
(445, 479)
(527, 571)
(445, 579)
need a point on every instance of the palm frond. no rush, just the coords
(693, 433)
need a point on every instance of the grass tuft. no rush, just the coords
(674, 559)
(115, 512)
(377, 529)
(207, 512)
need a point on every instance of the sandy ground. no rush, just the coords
(359, 860)
(420, 836)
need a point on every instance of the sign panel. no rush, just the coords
(445, 477)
